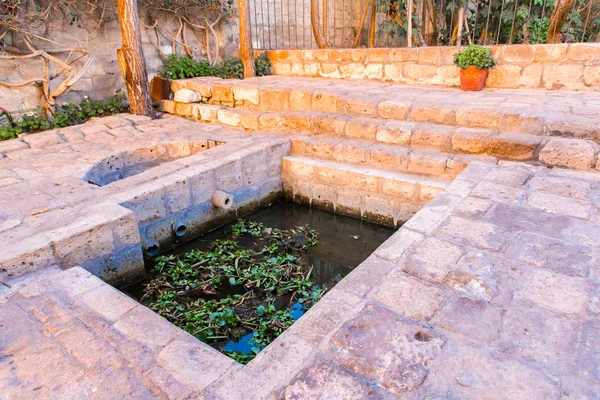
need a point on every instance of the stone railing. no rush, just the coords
(557, 66)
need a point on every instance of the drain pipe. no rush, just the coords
(222, 200)
(179, 228)
(152, 248)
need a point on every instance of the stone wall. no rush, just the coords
(104, 78)
(557, 66)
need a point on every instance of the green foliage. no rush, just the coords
(66, 115)
(474, 55)
(74, 114)
(229, 292)
(538, 30)
(181, 67)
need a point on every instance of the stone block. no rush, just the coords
(570, 153)
(246, 94)
(334, 125)
(531, 77)
(185, 110)
(430, 136)
(274, 99)
(229, 117)
(417, 73)
(31, 254)
(393, 109)
(545, 53)
(540, 336)
(229, 174)
(351, 153)
(396, 132)
(472, 140)
(591, 75)
(557, 76)
(515, 177)
(43, 139)
(222, 95)
(187, 96)
(397, 187)
(477, 234)
(402, 54)
(391, 159)
(324, 102)
(475, 319)
(554, 254)
(362, 128)
(433, 259)
(517, 54)
(83, 241)
(361, 106)
(392, 72)
(375, 338)
(323, 379)
(556, 292)
(560, 205)
(429, 55)
(581, 52)
(432, 114)
(427, 163)
(513, 146)
(378, 209)
(300, 100)
(588, 361)
(409, 296)
(183, 358)
(478, 118)
(504, 76)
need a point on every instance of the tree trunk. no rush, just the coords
(460, 23)
(372, 27)
(557, 19)
(409, 29)
(246, 51)
(132, 61)
(314, 21)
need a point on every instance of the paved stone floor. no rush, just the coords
(489, 292)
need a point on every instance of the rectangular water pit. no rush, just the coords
(241, 286)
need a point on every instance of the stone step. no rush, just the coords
(376, 195)
(562, 152)
(537, 112)
(440, 165)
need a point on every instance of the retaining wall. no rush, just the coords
(552, 67)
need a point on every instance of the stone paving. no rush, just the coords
(490, 291)
(62, 200)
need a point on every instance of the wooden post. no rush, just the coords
(132, 61)
(246, 51)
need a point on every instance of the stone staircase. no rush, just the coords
(382, 151)
(557, 129)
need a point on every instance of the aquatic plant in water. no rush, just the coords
(251, 287)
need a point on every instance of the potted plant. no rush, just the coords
(474, 63)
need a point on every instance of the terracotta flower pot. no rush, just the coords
(473, 79)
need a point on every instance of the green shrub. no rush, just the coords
(181, 67)
(65, 115)
(477, 56)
